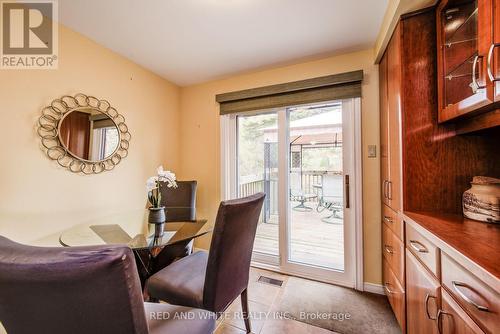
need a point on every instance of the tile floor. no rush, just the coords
(264, 300)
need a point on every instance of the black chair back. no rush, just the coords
(231, 251)
(76, 290)
(180, 202)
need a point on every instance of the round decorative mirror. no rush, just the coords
(83, 134)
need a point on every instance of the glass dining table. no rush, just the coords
(131, 228)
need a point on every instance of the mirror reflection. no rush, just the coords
(89, 134)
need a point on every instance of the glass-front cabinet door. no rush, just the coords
(464, 38)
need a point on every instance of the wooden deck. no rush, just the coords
(312, 240)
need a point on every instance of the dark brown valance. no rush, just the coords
(327, 88)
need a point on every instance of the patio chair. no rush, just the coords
(297, 194)
(331, 197)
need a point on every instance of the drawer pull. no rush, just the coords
(417, 246)
(388, 249)
(388, 219)
(457, 285)
(389, 291)
(439, 321)
(426, 301)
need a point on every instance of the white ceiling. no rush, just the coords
(192, 41)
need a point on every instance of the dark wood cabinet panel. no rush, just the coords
(438, 164)
(422, 298)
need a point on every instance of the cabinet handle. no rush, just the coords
(418, 247)
(439, 322)
(388, 249)
(389, 291)
(462, 295)
(488, 65)
(426, 302)
(384, 188)
(474, 85)
(388, 219)
(389, 188)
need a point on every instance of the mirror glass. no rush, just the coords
(89, 134)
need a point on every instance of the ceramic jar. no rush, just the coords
(482, 201)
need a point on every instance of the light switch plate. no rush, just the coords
(372, 151)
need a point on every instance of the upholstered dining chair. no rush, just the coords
(83, 290)
(212, 281)
(180, 205)
(180, 202)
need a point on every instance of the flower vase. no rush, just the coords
(157, 217)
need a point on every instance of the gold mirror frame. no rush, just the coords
(49, 124)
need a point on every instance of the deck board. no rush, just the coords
(312, 240)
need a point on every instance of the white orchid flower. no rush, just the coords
(167, 176)
(151, 183)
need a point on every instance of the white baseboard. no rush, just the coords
(374, 288)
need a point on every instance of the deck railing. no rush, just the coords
(311, 183)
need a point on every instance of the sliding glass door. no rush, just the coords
(257, 171)
(302, 158)
(316, 186)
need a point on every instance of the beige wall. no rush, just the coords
(37, 197)
(200, 147)
(176, 127)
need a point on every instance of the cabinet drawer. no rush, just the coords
(452, 319)
(481, 301)
(392, 219)
(423, 249)
(393, 250)
(396, 295)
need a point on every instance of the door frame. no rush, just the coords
(228, 163)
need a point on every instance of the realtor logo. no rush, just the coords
(29, 35)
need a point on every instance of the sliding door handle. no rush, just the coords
(347, 202)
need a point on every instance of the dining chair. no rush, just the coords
(213, 280)
(83, 290)
(180, 205)
(180, 202)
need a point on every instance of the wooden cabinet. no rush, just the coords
(468, 35)
(384, 129)
(463, 298)
(493, 60)
(422, 297)
(390, 74)
(464, 36)
(480, 300)
(393, 250)
(453, 320)
(395, 294)
(390, 122)
(423, 249)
